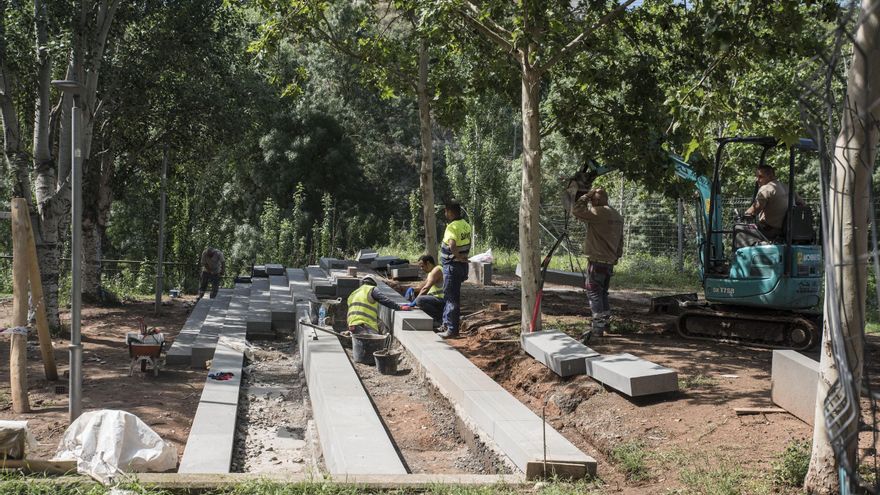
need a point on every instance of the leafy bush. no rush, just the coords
(630, 457)
(790, 468)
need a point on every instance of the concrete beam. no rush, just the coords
(366, 256)
(560, 277)
(794, 380)
(632, 375)
(181, 350)
(480, 273)
(274, 269)
(559, 352)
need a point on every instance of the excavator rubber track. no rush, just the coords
(767, 329)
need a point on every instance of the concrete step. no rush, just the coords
(274, 269)
(181, 349)
(259, 315)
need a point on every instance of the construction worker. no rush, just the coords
(771, 202)
(603, 247)
(454, 249)
(429, 296)
(213, 267)
(363, 307)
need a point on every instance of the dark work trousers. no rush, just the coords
(432, 305)
(213, 279)
(598, 280)
(454, 274)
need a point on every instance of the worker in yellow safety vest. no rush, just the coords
(429, 296)
(454, 249)
(363, 307)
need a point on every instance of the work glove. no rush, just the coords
(406, 307)
(410, 294)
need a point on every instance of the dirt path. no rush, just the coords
(275, 427)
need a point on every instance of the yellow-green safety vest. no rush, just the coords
(460, 231)
(362, 309)
(437, 290)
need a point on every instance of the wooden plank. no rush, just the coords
(744, 411)
(39, 466)
(37, 297)
(18, 348)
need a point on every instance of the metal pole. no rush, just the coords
(680, 224)
(76, 264)
(160, 270)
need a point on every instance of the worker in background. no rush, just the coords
(603, 247)
(213, 267)
(429, 296)
(363, 307)
(454, 249)
(771, 202)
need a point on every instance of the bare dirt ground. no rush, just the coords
(166, 403)
(689, 441)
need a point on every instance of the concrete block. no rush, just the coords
(559, 277)
(259, 271)
(406, 272)
(385, 261)
(480, 273)
(415, 319)
(203, 350)
(794, 379)
(559, 352)
(347, 282)
(274, 269)
(334, 263)
(315, 271)
(181, 350)
(632, 375)
(366, 256)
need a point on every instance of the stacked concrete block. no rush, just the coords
(333, 263)
(480, 273)
(384, 262)
(366, 256)
(274, 269)
(259, 317)
(559, 352)
(632, 375)
(399, 321)
(181, 350)
(259, 271)
(517, 432)
(405, 272)
(559, 277)
(794, 380)
(345, 285)
(281, 304)
(235, 326)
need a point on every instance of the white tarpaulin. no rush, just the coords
(104, 443)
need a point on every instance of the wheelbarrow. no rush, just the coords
(145, 350)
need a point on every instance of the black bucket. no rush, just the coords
(386, 361)
(364, 345)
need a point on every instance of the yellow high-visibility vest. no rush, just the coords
(363, 309)
(460, 231)
(437, 290)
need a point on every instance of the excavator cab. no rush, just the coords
(776, 277)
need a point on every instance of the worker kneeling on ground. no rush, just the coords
(363, 307)
(429, 296)
(603, 247)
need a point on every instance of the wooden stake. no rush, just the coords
(18, 346)
(745, 411)
(37, 294)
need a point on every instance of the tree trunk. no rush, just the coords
(16, 158)
(529, 242)
(97, 195)
(426, 174)
(847, 250)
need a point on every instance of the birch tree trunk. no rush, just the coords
(531, 194)
(426, 174)
(97, 196)
(848, 203)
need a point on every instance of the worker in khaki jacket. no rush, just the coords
(603, 247)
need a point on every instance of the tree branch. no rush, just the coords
(606, 19)
(490, 32)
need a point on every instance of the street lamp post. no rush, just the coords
(73, 88)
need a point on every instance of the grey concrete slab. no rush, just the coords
(259, 271)
(632, 375)
(203, 350)
(383, 261)
(559, 352)
(335, 263)
(259, 316)
(315, 271)
(513, 428)
(353, 438)
(559, 277)
(794, 380)
(274, 269)
(406, 272)
(181, 349)
(210, 442)
(366, 256)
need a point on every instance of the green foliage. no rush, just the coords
(790, 468)
(698, 381)
(724, 479)
(270, 230)
(631, 458)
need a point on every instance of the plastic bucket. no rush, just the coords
(364, 345)
(386, 361)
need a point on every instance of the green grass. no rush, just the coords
(696, 382)
(631, 457)
(790, 468)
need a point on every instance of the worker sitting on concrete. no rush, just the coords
(363, 307)
(213, 267)
(429, 296)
